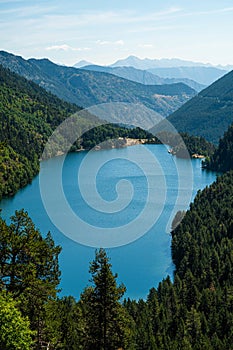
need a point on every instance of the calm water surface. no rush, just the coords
(141, 264)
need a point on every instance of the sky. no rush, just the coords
(105, 31)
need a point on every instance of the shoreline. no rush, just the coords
(120, 142)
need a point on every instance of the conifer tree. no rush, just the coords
(108, 326)
(28, 267)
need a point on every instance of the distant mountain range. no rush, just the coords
(195, 74)
(143, 76)
(87, 88)
(148, 63)
(208, 114)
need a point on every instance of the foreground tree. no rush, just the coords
(15, 333)
(107, 324)
(28, 267)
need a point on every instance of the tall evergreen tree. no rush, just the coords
(28, 267)
(108, 326)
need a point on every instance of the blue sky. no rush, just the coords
(103, 31)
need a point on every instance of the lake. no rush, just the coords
(142, 255)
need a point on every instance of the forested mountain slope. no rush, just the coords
(28, 114)
(208, 114)
(222, 158)
(195, 311)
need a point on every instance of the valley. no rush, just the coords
(164, 221)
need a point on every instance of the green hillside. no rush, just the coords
(28, 114)
(222, 159)
(209, 113)
(87, 88)
(195, 310)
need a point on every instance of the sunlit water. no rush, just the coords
(141, 264)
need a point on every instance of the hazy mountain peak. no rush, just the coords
(82, 63)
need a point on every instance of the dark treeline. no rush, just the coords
(222, 159)
(108, 132)
(195, 311)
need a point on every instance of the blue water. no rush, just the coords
(141, 264)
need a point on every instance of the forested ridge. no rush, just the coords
(28, 115)
(209, 113)
(195, 311)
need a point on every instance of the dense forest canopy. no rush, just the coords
(195, 311)
(222, 159)
(28, 115)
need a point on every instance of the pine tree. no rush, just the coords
(28, 267)
(108, 325)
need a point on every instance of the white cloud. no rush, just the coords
(106, 42)
(66, 47)
(227, 9)
(119, 42)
